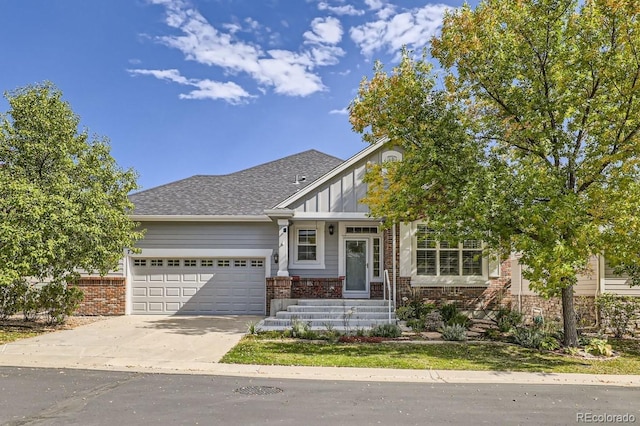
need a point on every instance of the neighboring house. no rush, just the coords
(288, 229)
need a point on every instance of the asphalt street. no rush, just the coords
(30, 396)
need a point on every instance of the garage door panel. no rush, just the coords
(172, 291)
(230, 286)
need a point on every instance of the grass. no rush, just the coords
(442, 356)
(11, 334)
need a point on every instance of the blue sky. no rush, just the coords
(186, 87)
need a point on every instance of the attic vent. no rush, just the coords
(300, 179)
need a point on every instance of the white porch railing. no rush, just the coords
(387, 294)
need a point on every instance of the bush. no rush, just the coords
(448, 311)
(9, 300)
(454, 332)
(433, 321)
(414, 310)
(416, 324)
(58, 301)
(30, 304)
(386, 330)
(506, 319)
(459, 319)
(528, 337)
(301, 330)
(599, 347)
(617, 313)
(549, 343)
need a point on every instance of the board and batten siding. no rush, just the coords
(330, 260)
(341, 194)
(587, 284)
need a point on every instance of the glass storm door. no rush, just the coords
(356, 283)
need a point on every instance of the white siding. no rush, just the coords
(587, 284)
(342, 194)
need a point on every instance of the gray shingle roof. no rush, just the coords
(247, 192)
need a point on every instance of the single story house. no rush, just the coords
(295, 228)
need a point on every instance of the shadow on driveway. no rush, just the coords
(200, 325)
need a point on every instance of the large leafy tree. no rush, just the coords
(63, 198)
(547, 92)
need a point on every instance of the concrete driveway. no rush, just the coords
(144, 343)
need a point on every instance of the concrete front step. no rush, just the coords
(306, 315)
(342, 302)
(337, 309)
(334, 314)
(321, 324)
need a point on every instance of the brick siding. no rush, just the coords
(102, 296)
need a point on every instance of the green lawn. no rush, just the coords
(7, 336)
(439, 356)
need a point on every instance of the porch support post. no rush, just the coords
(283, 247)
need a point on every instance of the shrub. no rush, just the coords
(58, 301)
(617, 313)
(386, 330)
(549, 343)
(528, 337)
(9, 300)
(414, 310)
(454, 332)
(448, 311)
(459, 319)
(506, 319)
(29, 301)
(301, 330)
(416, 324)
(433, 321)
(599, 347)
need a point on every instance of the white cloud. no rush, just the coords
(205, 89)
(324, 30)
(374, 4)
(340, 10)
(286, 72)
(413, 28)
(343, 111)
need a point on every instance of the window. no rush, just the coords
(157, 262)
(205, 263)
(223, 263)
(361, 229)
(307, 240)
(139, 262)
(307, 244)
(257, 263)
(442, 258)
(239, 263)
(173, 263)
(190, 263)
(376, 258)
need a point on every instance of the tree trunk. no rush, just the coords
(569, 317)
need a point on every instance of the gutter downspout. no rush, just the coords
(520, 292)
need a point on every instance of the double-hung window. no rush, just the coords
(308, 245)
(442, 258)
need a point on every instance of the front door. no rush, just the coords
(356, 282)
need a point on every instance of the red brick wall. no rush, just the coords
(376, 290)
(530, 305)
(469, 298)
(102, 296)
(316, 288)
(278, 288)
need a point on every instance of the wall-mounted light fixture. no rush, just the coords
(331, 229)
(276, 257)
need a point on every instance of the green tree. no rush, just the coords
(546, 92)
(63, 198)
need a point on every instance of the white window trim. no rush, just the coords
(294, 263)
(343, 236)
(441, 280)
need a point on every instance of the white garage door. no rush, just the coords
(198, 286)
